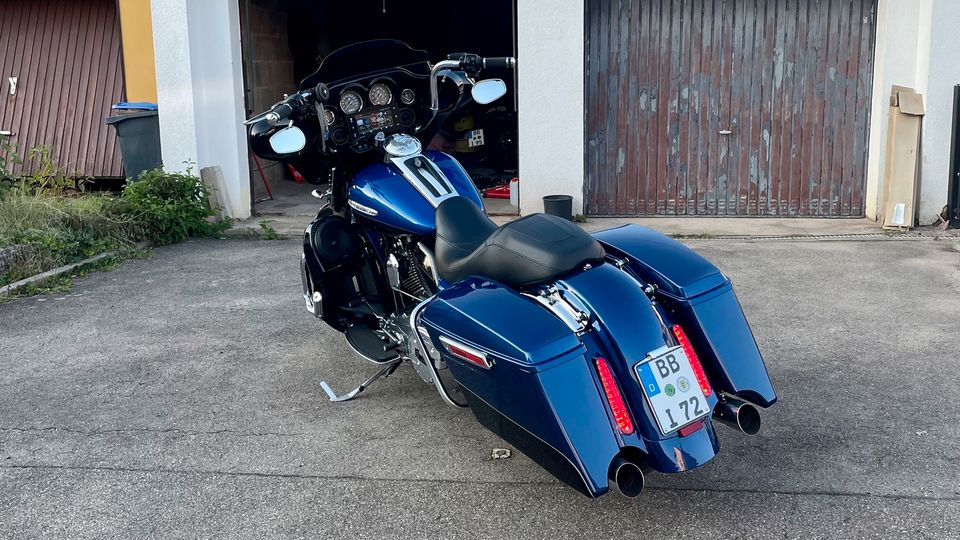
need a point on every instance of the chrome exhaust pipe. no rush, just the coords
(739, 415)
(627, 477)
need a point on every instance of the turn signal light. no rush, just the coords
(614, 398)
(694, 360)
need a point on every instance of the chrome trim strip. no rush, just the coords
(365, 210)
(429, 363)
(429, 180)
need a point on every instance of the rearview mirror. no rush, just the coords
(488, 91)
(288, 140)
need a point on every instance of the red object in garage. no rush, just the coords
(500, 192)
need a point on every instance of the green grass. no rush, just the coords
(60, 230)
(267, 232)
(54, 223)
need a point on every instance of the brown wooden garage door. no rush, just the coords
(60, 71)
(728, 107)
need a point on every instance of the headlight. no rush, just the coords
(350, 102)
(380, 95)
(407, 96)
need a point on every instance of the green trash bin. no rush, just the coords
(138, 128)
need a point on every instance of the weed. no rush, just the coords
(52, 223)
(172, 207)
(267, 232)
(9, 158)
(579, 218)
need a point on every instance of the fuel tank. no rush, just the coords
(403, 193)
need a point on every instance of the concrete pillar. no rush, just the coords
(200, 92)
(917, 44)
(550, 93)
(943, 73)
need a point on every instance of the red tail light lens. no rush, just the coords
(694, 360)
(467, 353)
(614, 398)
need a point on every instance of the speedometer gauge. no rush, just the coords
(350, 102)
(380, 95)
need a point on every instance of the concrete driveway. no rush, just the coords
(178, 397)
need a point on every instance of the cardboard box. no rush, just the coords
(901, 174)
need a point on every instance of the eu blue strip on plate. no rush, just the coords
(649, 382)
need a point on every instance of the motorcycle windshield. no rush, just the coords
(368, 57)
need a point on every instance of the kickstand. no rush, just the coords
(385, 372)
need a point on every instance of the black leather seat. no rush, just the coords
(530, 250)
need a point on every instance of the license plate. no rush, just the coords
(671, 388)
(475, 138)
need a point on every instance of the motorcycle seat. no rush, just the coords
(533, 249)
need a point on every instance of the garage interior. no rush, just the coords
(285, 40)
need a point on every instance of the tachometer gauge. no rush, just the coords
(329, 117)
(380, 95)
(407, 96)
(350, 102)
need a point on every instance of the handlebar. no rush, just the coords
(501, 62)
(280, 112)
(468, 62)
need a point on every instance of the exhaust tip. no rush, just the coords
(627, 477)
(740, 415)
(748, 419)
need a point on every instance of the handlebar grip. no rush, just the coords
(500, 62)
(279, 113)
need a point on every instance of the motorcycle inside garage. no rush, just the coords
(284, 41)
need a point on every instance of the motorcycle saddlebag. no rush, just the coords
(526, 378)
(704, 303)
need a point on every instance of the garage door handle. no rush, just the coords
(5, 133)
(725, 132)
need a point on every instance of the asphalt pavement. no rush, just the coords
(179, 396)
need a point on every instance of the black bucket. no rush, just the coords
(559, 205)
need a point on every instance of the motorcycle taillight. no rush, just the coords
(694, 360)
(614, 398)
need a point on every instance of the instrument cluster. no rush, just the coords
(362, 110)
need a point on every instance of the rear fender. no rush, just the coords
(701, 299)
(627, 328)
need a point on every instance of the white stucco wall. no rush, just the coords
(200, 91)
(903, 53)
(550, 94)
(178, 137)
(943, 74)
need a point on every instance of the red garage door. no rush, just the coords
(59, 74)
(728, 107)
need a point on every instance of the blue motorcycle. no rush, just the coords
(602, 357)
